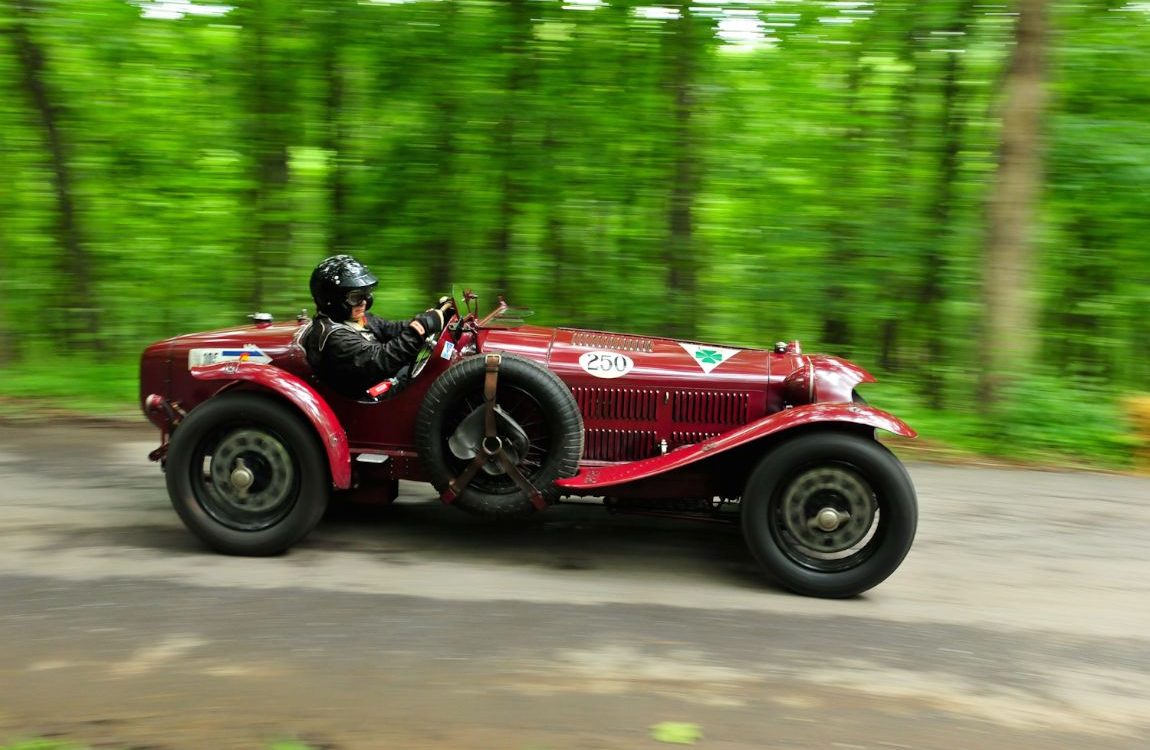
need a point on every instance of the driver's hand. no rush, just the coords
(428, 323)
(446, 307)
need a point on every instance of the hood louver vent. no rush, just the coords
(710, 407)
(619, 445)
(617, 403)
(679, 439)
(614, 341)
(629, 424)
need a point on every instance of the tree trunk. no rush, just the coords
(931, 294)
(842, 262)
(269, 136)
(9, 341)
(680, 255)
(900, 187)
(338, 240)
(554, 246)
(510, 181)
(444, 154)
(75, 263)
(9, 351)
(441, 257)
(1078, 318)
(1008, 333)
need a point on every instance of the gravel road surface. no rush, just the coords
(1020, 619)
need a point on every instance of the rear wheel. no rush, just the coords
(829, 514)
(247, 475)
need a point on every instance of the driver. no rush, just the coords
(349, 348)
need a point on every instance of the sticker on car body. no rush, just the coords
(204, 357)
(605, 364)
(708, 357)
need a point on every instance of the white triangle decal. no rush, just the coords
(708, 357)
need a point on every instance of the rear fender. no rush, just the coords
(303, 397)
(800, 416)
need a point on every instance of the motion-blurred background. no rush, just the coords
(950, 192)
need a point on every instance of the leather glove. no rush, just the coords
(447, 307)
(428, 323)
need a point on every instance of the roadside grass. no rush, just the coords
(61, 386)
(1043, 420)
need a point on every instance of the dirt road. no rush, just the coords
(1021, 619)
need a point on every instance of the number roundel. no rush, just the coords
(604, 364)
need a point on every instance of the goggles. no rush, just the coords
(358, 297)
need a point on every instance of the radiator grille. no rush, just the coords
(710, 407)
(619, 445)
(592, 340)
(637, 404)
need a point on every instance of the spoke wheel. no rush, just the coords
(829, 514)
(522, 426)
(247, 475)
(538, 428)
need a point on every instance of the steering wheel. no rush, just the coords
(423, 356)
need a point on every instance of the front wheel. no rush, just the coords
(829, 514)
(247, 475)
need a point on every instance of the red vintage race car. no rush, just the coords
(505, 419)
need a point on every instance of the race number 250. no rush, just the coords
(603, 364)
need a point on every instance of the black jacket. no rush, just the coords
(351, 361)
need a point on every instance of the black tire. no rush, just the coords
(286, 469)
(539, 402)
(859, 484)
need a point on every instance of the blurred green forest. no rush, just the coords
(950, 192)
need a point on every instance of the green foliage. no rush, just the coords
(55, 383)
(1071, 419)
(1046, 419)
(825, 166)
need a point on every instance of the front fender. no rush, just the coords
(770, 425)
(304, 397)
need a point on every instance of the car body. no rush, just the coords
(505, 418)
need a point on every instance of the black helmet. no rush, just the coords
(334, 279)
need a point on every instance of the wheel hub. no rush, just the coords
(251, 472)
(828, 519)
(492, 445)
(469, 440)
(242, 478)
(828, 509)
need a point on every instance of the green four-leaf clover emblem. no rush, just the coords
(709, 356)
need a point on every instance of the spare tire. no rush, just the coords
(537, 416)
